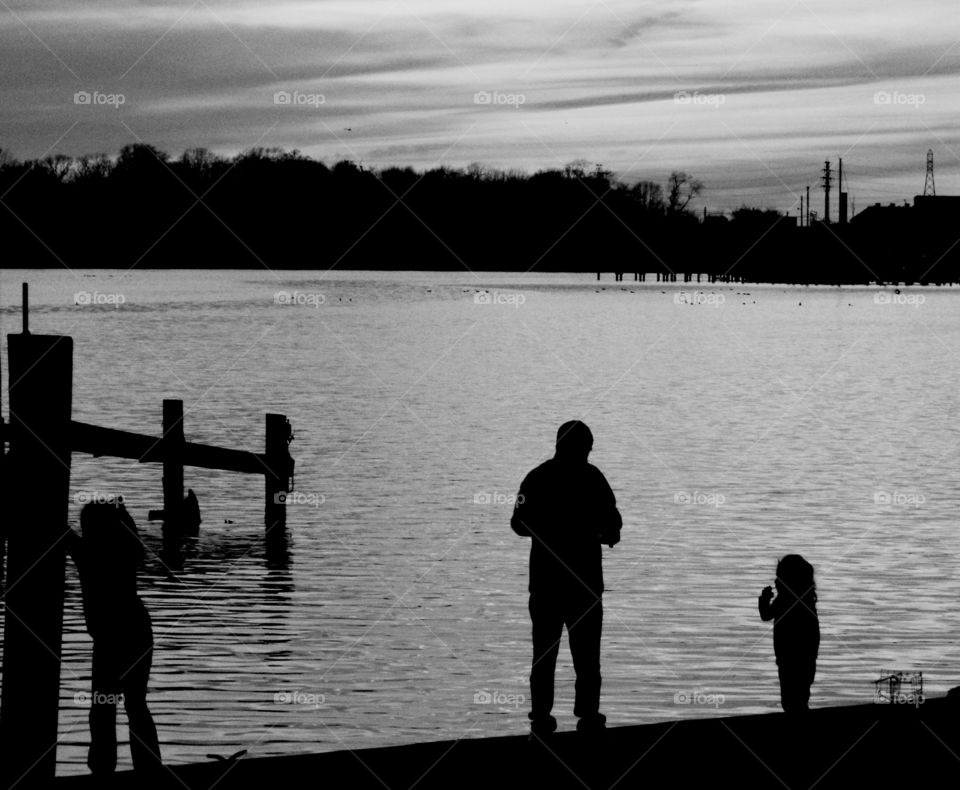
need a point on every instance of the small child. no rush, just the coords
(796, 629)
(107, 556)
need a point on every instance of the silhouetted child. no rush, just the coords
(107, 556)
(796, 629)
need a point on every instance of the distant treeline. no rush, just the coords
(283, 210)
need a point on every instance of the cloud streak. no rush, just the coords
(599, 80)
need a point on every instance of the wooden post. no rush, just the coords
(4, 481)
(40, 385)
(277, 475)
(172, 443)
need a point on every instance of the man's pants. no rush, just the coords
(583, 616)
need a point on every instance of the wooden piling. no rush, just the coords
(4, 482)
(41, 379)
(277, 473)
(172, 445)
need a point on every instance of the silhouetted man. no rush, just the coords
(568, 509)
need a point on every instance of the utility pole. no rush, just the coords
(808, 205)
(827, 180)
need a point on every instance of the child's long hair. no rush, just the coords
(795, 580)
(110, 534)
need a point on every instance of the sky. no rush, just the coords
(749, 96)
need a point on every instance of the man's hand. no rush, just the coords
(518, 521)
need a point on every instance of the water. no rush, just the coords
(732, 433)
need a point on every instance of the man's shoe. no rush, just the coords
(541, 729)
(592, 725)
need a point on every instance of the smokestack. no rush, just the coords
(843, 195)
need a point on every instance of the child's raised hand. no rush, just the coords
(767, 592)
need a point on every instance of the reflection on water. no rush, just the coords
(734, 431)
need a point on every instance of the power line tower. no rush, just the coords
(827, 180)
(929, 188)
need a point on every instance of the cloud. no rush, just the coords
(598, 79)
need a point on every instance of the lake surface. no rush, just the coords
(735, 424)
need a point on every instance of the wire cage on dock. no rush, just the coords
(898, 688)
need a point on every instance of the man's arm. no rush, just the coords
(522, 510)
(609, 518)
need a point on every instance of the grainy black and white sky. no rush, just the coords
(748, 95)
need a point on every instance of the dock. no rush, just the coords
(39, 441)
(844, 747)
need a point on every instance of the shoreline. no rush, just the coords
(829, 747)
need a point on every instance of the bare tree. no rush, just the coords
(60, 166)
(681, 189)
(93, 166)
(199, 159)
(649, 195)
(575, 169)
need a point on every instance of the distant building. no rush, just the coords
(889, 216)
(927, 210)
(715, 220)
(945, 207)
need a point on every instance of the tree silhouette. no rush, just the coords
(284, 210)
(681, 189)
